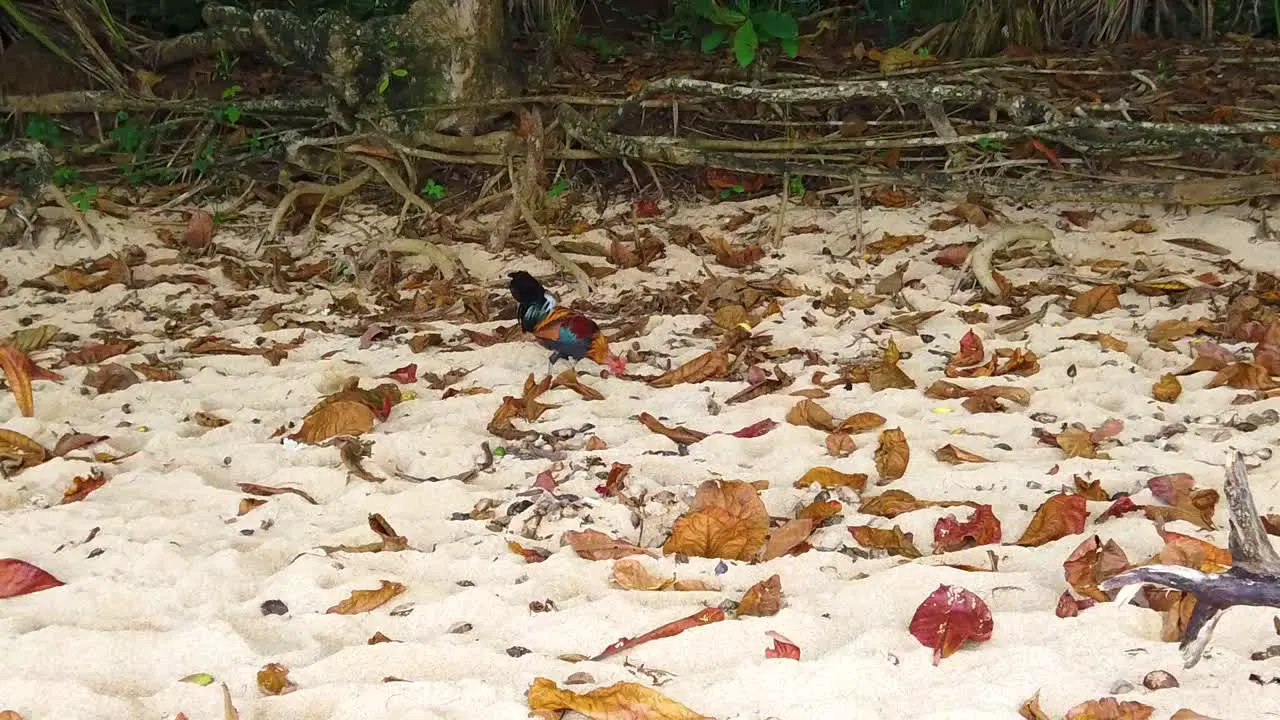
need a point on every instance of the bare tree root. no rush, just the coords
(309, 188)
(585, 286)
(75, 214)
(980, 258)
(447, 267)
(510, 216)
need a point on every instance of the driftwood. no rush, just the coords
(1253, 579)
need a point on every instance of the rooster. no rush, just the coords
(567, 334)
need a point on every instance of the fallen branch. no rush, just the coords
(1253, 579)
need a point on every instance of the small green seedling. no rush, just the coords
(557, 189)
(83, 198)
(729, 192)
(433, 190)
(748, 24)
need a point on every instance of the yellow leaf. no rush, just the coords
(830, 477)
(811, 414)
(273, 679)
(1167, 389)
(893, 540)
(362, 601)
(18, 451)
(620, 701)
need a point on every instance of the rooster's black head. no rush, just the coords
(526, 289)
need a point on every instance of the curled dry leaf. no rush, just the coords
(1030, 709)
(1109, 708)
(726, 520)
(892, 455)
(1244, 376)
(680, 435)
(782, 648)
(620, 701)
(819, 511)
(707, 366)
(971, 351)
(786, 538)
(982, 528)
(630, 574)
(810, 414)
(1058, 517)
(111, 377)
(764, 599)
(530, 554)
(893, 540)
(1097, 300)
(198, 233)
(950, 617)
(1193, 552)
(840, 444)
(18, 577)
(828, 477)
(345, 418)
(734, 257)
(362, 601)
(595, 545)
(861, 422)
(706, 616)
(887, 374)
(1091, 563)
(19, 371)
(82, 485)
(273, 679)
(17, 451)
(569, 379)
(953, 455)
(892, 503)
(1167, 389)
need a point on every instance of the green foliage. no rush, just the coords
(228, 113)
(128, 135)
(384, 82)
(44, 130)
(433, 190)
(65, 175)
(604, 49)
(83, 198)
(204, 159)
(557, 189)
(225, 65)
(729, 192)
(746, 24)
(797, 185)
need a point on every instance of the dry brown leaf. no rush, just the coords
(892, 503)
(362, 601)
(786, 538)
(1030, 709)
(1097, 300)
(1091, 563)
(726, 520)
(819, 510)
(734, 257)
(11, 715)
(1167, 389)
(830, 477)
(861, 422)
(892, 455)
(273, 679)
(763, 599)
(1109, 708)
(1188, 714)
(840, 444)
(1058, 517)
(199, 231)
(17, 451)
(569, 379)
(1244, 376)
(810, 414)
(633, 575)
(344, 418)
(82, 485)
(893, 540)
(707, 366)
(953, 455)
(680, 435)
(619, 701)
(595, 545)
(268, 491)
(19, 371)
(1167, 331)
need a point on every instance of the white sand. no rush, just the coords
(173, 581)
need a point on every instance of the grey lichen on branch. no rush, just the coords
(1253, 579)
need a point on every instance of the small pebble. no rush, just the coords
(516, 651)
(274, 607)
(580, 678)
(460, 628)
(1159, 680)
(1121, 687)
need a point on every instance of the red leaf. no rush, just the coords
(706, 616)
(546, 480)
(1171, 489)
(405, 375)
(782, 648)
(953, 255)
(982, 528)
(1049, 155)
(22, 578)
(1070, 607)
(645, 208)
(755, 430)
(948, 618)
(971, 351)
(1123, 504)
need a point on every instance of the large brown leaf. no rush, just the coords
(762, 599)
(726, 520)
(830, 477)
(362, 601)
(1057, 517)
(345, 418)
(1098, 300)
(892, 455)
(619, 701)
(810, 414)
(19, 371)
(707, 366)
(893, 540)
(595, 545)
(1091, 563)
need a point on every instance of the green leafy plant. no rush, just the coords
(384, 82)
(224, 65)
(797, 185)
(228, 112)
(65, 175)
(433, 190)
(83, 198)
(557, 189)
(128, 134)
(747, 24)
(729, 192)
(204, 159)
(44, 130)
(987, 143)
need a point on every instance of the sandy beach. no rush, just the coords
(169, 572)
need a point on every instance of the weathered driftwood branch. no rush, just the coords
(1253, 579)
